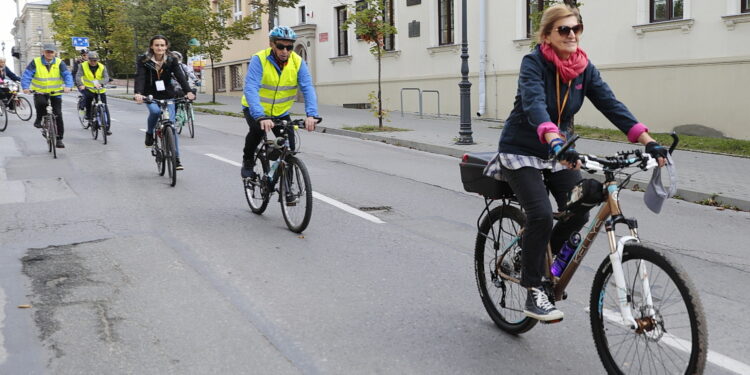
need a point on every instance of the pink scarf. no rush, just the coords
(570, 68)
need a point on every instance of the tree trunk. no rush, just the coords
(213, 82)
(380, 98)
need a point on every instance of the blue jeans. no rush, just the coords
(154, 113)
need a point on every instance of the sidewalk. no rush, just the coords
(701, 175)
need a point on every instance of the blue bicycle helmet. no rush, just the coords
(283, 33)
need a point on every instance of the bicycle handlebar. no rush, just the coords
(620, 160)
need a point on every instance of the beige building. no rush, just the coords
(31, 29)
(685, 62)
(228, 75)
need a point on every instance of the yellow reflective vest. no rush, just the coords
(277, 92)
(47, 81)
(89, 77)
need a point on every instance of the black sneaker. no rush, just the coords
(539, 307)
(179, 166)
(59, 143)
(247, 171)
(38, 124)
(149, 140)
(109, 132)
(291, 199)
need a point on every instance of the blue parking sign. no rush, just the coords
(80, 41)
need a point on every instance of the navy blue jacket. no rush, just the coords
(9, 73)
(536, 104)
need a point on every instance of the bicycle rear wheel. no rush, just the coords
(82, 112)
(296, 195)
(503, 299)
(190, 120)
(170, 154)
(3, 116)
(673, 338)
(257, 192)
(23, 108)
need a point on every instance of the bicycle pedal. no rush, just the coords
(550, 321)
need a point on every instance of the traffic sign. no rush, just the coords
(80, 42)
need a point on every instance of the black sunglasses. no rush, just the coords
(565, 30)
(288, 47)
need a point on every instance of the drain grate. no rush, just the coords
(375, 208)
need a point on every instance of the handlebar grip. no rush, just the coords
(567, 145)
(675, 141)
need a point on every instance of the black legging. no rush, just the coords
(529, 185)
(89, 97)
(255, 135)
(40, 102)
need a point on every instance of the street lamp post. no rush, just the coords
(464, 132)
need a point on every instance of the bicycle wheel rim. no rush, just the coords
(191, 121)
(23, 110)
(256, 193)
(52, 137)
(503, 225)
(295, 183)
(94, 125)
(676, 343)
(171, 154)
(3, 117)
(159, 150)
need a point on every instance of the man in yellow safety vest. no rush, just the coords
(48, 74)
(273, 76)
(90, 79)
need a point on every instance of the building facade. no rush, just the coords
(228, 75)
(672, 62)
(31, 29)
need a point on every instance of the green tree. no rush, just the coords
(213, 26)
(271, 7)
(102, 21)
(145, 17)
(368, 18)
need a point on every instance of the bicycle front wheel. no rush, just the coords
(23, 108)
(52, 135)
(158, 152)
(190, 120)
(504, 299)
(296, 195)
(101, 118)
(94, 124)
(3, 117)
(170, 153)
(672, 337)
(257, 192)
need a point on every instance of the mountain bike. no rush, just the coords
(164, 149)
(49, 123)
(184, 116)
(279, 170)
(15, 103)
(81, 103)
(645, 313)
(99, 117)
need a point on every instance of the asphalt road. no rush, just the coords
(125, 274)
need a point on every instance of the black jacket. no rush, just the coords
(146, 76)
(536, 103)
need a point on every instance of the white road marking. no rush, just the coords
(684, 345)
(321, 197)
(143, 130)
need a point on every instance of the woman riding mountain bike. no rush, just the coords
(153, 72)
(552, 83)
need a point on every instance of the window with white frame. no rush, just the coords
(745, 7)
(445, 22)
(237, 15)
(235, 72)
(342, 41)
(665, 10)
(389, 44)
(256, 16)
(302, 15)
(533, 9)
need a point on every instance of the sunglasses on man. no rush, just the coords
(565, 30)
(288, 47)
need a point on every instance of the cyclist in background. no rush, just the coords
(46, 74)
(92, 76)
(76, 66)
(6, 75)
(187, 72)
(154, 70)
(552, 83)
(273, 76)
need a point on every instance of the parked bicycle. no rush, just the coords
(645, 313)
(279, 170)
(15, 103)
(164, 148)
(49, 123)
(99, 117)
(184, 116)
